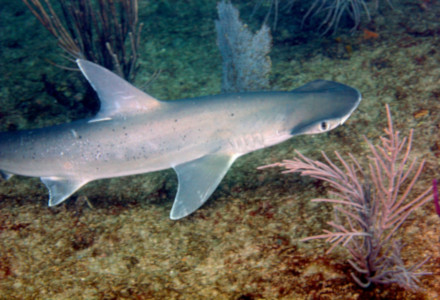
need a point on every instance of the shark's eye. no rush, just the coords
(324, 125)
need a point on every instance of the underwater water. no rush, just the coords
(114, 240)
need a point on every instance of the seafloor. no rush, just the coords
(244, 242)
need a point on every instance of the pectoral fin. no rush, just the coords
(197, 181)
(61, 188)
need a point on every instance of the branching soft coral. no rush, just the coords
(330, 12)
(370, 206)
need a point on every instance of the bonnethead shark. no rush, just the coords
(199, 138)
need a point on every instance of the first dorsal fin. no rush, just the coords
(118, 97)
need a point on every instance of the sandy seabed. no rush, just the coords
(244, 242)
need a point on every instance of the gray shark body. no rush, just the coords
(200, 138)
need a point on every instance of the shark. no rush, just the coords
(199, 138)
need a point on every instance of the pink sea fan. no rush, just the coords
(370, 206)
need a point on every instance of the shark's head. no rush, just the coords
(321, 106)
